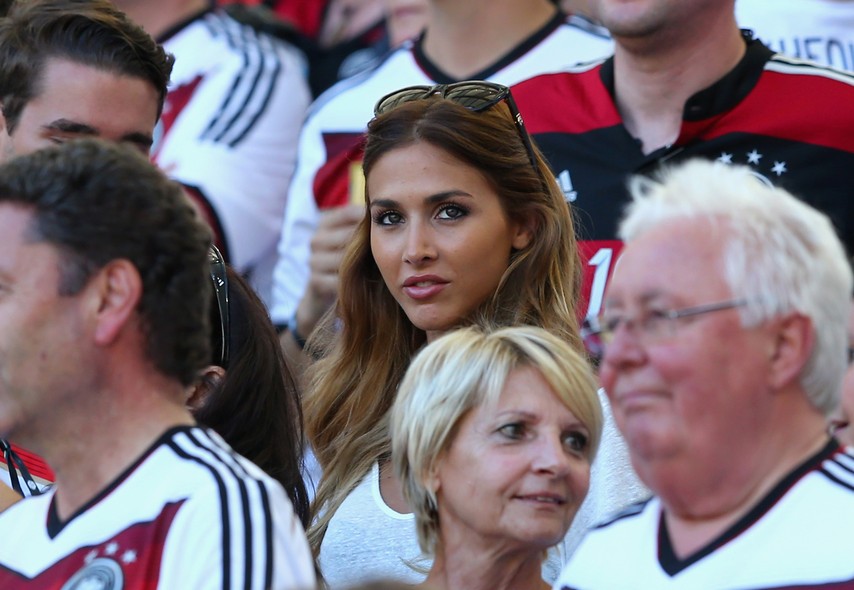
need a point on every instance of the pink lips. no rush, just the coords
(423, 287)
(545, 498)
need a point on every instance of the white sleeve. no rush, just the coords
(290, 277)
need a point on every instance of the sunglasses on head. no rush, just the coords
(475, 95)
(220, 282)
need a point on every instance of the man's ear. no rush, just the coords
(795, 339)
(117, 289)
(209, 379)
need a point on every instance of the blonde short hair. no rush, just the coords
(463, 370)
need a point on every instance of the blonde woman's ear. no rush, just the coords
(432, 481)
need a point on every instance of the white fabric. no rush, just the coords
(802, 540)
(189, 514)
(236, 137)
(347, 107)
(817, 30)
(367, 540)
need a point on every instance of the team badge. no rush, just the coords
(101, 573)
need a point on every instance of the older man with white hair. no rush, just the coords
(725, 346)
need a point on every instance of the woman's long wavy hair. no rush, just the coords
(365, 344)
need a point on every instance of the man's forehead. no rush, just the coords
(673, 257)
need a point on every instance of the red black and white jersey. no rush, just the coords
(229, 132)
(797, 536)
(789, 120)
(329, 171)
(190, 513)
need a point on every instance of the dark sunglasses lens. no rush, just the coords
(476, 97)
(398, 98)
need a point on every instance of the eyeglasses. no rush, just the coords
(651, 326)
(475, 95)
(220, 282)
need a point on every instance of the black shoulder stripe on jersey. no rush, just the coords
(838, 472)
(254, 502)
(252, 56)
(257, 78)
(217, 28)
(218, 124)
(629, 511)
(845, 461)
(270, 85)
(247, 551)
(794, 65)
(580, 21)
(224, 508)
(268, 535)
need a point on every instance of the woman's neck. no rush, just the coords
(465, 567)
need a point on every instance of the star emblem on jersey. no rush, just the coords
(129, 556)
(753, 157)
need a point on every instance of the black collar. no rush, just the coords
(724, 94)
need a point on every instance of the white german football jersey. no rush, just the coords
(189, 514)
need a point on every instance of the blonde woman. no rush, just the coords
(493, 435)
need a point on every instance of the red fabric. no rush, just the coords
(35, 464)
(306, 15)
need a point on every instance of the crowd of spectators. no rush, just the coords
(306, 294)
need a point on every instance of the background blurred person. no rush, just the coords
(342, 37)
(722, 368)
(104, 326)
(493, 435)
(503, 41)
(817, 30)
(462, 223)
(230, 126)
(75, 68)
(684, 82)
(247, 393)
